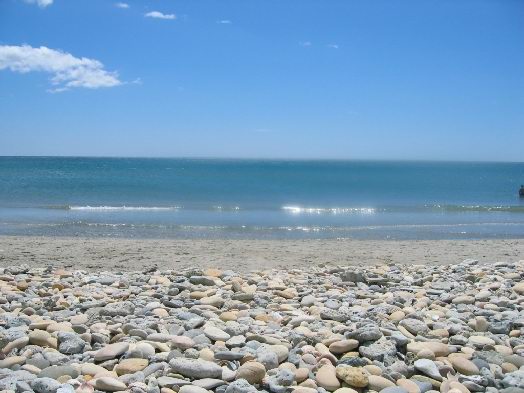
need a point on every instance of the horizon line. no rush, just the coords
(233, 158)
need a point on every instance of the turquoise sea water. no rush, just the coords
(202, 198)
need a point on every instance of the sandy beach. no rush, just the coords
(245, 255)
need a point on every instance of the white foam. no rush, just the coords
(330, 210)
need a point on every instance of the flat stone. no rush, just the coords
(192, 389)
(109, 384)
(130, 366)
(353, 376)
(480, 341)
(438, 348)
(56, 372)
(12, 361)
(378, 383)
(169, 382)
(326, 378)
(118, 309)
(195, 368)
(216, 334)
(343, 346)
(111, 351)
(209, 383)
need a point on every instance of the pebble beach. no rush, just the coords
(386, 328)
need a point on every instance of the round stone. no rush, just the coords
(343, 346)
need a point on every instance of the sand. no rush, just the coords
(244, 255)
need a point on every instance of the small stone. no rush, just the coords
(195, 368)
(109, 384)
(463, 299)
(130, 366)
(111, 351)
(480, 341)
(240, 386)
(438, 348)
(192, 389)
(45, 385)
(216, 334)
(408, 385)
(428, 368)
(353, 376)
(343, 346)
(463, 365)
(326, 378)
(118, 309)
(377, 383)
(253, 372)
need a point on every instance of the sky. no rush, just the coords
(335, 79)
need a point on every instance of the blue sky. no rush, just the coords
(387, 79)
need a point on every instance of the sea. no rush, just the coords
(259, 199)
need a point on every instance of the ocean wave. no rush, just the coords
(123, 208)
(478, 208)
(329, 210)
(304, 210)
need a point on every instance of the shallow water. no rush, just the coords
(136, 197)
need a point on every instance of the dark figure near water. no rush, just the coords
(521, 191)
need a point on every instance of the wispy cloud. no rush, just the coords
(159, 15)
(40, 3)
(224, 22)
(305, 44)
(333, 46)
(67, 71)
(122, 5)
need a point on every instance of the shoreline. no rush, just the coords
(125, 254)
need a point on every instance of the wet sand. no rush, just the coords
(245, 255)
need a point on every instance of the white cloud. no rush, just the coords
(121, 5)
(40, 3)
(305, 44)
(66, 70)
(159, 15)
(224, 22)
(333, 46)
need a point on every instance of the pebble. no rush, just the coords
(353, 376)
(195, 368)
(384, 328)
(326, 378)
(130, 366)
(343, 346)
(111, 351)
(109, 384)
(253, 372)
(463, 365)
